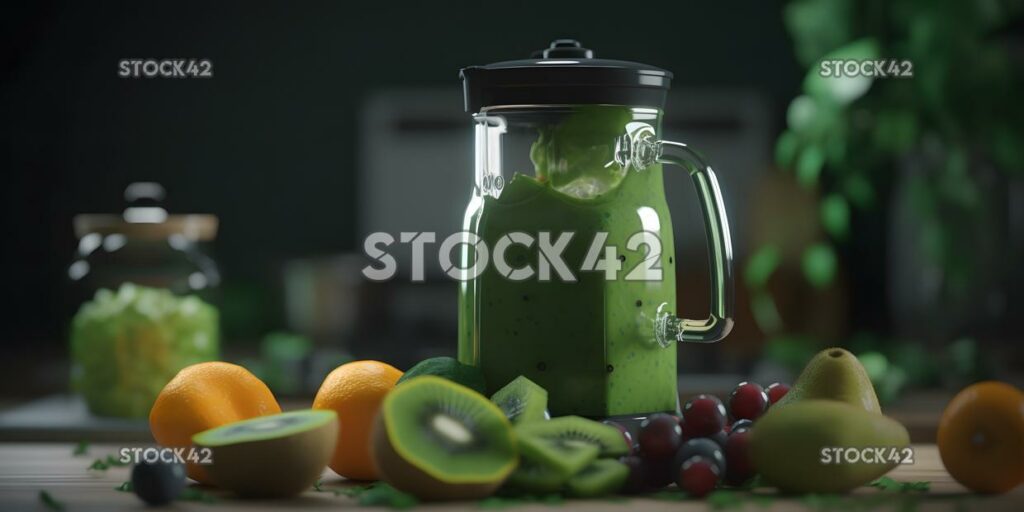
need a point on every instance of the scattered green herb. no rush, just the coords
(106, 463)
(383, 495)
(724, 500)
(499, 502)
(888, 484)
(124, 487)
(354, 491)
(196, 494)
(674, 495)
(351, 492)
(81, 448)
(50, 502)
(823, 501)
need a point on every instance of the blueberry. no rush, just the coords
(158, 483)
(703, 447)
(742, 424)
(720, 437)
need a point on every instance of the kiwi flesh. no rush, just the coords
(439, 440)
(565, 455)
(272, 456)
(522, 400)
(608, 439)
(601, 477)
(534, 477)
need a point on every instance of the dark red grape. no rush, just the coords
(737, 457)
(698, 477)
(747, 401)
(660, 436)
(636, 482)
(625, 434)
(703, 447)
(703, 415)
(776, 392)
(658, 472)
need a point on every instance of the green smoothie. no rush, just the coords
(590, 343)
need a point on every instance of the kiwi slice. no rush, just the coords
(565, 455)
(522, 400)
(440, 440)
(603, 476)
(608, 439)
(271, 456)
(535, 477)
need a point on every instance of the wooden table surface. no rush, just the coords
(26, 469)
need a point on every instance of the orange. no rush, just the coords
(203, 396)
(355, 391)
(981, 437)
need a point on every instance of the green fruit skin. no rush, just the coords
(834, 374)
(451, 369)
(273, 468)
(786, 445)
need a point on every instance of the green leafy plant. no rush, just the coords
(943, 129)
(844, 134)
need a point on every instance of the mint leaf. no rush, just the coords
(724, 500)
(668, 495)
(81, 448)
(194, 494)
(386, 496)
(888, 484)
(125, 487)
(50, 502)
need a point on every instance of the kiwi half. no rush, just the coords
(603, 476)
(608, 439)
(271, 456)
(439, 440)
(522, 400)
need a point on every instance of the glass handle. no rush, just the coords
(638, 149)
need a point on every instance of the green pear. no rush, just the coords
(834, 374)
(814, 446)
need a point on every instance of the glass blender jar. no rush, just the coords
(568, 189)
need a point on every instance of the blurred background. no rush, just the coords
(882, 215)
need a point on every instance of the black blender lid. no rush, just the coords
(566, 73)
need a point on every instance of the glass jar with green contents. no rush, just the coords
(575, 286)
(144, 286)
